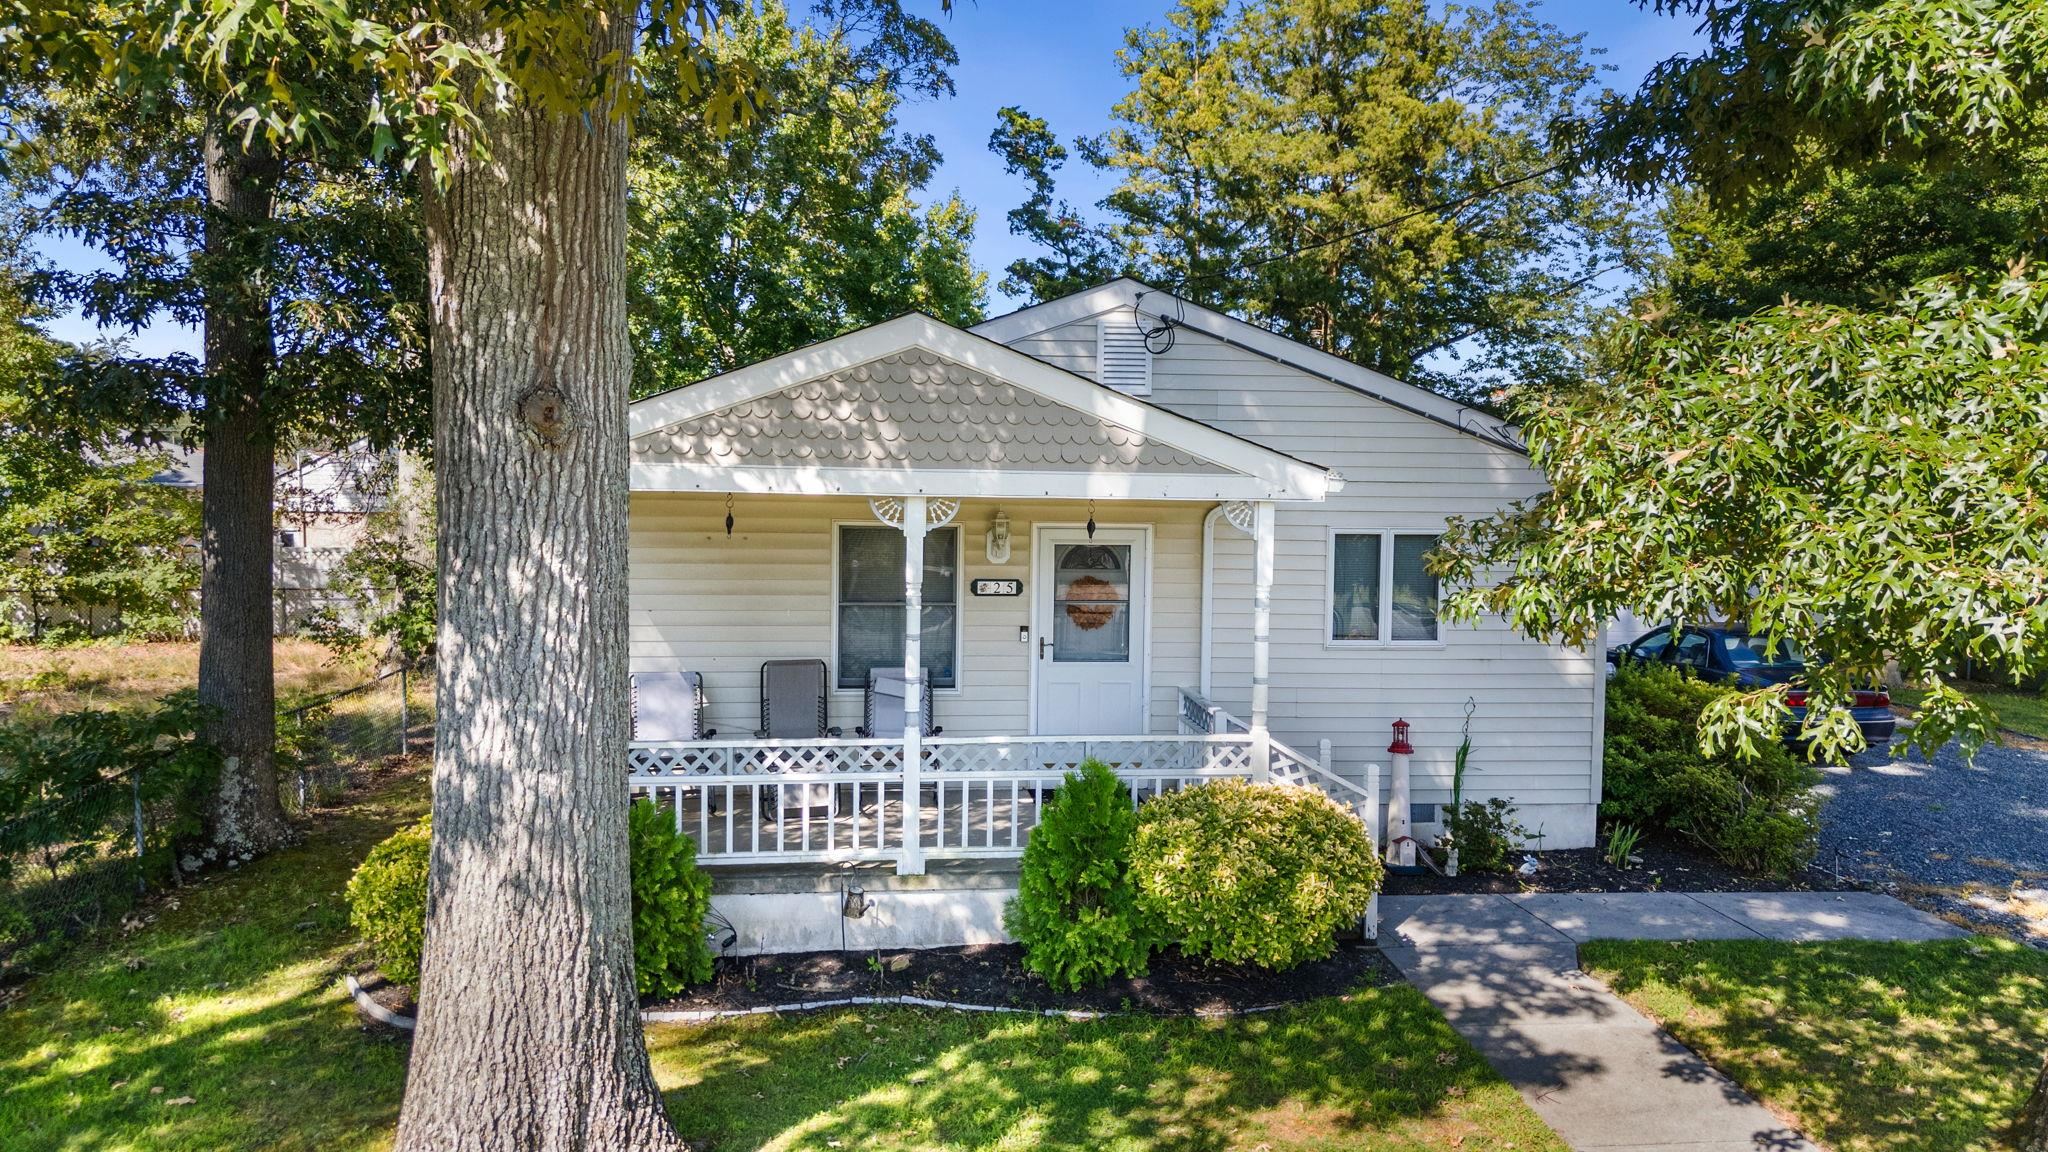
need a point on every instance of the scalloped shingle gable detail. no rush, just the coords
(908, 409)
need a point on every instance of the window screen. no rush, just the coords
(1415, 592)
(870, 608)
(1355, 587)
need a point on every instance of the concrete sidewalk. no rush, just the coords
(1505, 971)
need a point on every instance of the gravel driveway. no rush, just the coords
(1969, 839)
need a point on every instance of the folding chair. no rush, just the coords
(793, 708)
(669, 706)
(882, 708)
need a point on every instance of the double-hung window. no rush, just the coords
(868, 614)
(1380, 592)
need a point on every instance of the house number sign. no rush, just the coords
(998, 587)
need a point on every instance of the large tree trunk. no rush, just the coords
(529, 1031)
(2033, 1125)
(238, 476)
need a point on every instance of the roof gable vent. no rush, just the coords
(1122, 361)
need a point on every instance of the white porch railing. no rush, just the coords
(832, 799)
(758, 801)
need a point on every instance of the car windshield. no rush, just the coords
(1752, 651)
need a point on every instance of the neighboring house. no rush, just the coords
(776, 512)
(323, 496)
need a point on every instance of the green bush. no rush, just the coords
(671, 896)
(387, 901)
(1757, 814)
(1485, 835)
(1076, 913)
(68, 784)
(1246, 873)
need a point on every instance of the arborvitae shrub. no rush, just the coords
(671, 896)
(1075, 911)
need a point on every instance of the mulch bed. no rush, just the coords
(1665, 867)
(994, 975)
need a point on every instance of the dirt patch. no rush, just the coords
(1663, 867)
(994, 975)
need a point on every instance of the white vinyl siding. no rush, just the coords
(1534, 703)
(705, 603)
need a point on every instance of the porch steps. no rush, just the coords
(802, 908)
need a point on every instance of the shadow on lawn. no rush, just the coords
(1378, 1070)
(228, 1001)
(1874, 1046)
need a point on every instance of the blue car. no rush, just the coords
(1733, 655)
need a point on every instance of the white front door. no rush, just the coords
(1092, 616)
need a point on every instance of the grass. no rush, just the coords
(221, 1024)
(1377, 1070)
(1930, 1047)
(2017, 709)
(123, 676)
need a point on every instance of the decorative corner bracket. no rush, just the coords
(1242, 515)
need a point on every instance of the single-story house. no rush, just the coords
(1116, 523)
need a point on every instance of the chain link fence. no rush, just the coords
(332, 743)
(91, 853)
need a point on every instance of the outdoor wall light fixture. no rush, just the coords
(999, 539)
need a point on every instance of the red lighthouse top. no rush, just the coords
(1400, 745)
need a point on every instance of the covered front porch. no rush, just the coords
(1020, 546)
(840, 799)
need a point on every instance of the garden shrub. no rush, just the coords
(1758, 814)
(671, 896)
(68, 784)
(1247, 873)
(1076, 913)
(1485, 835)
(387, 901)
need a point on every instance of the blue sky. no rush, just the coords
(1057, 58)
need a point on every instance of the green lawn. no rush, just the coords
(219, 1026)
(1377, 1070)
(2023, 712)
(1928, 1047)
(222, 1026)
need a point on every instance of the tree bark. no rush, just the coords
(529, 1032)
(238, 478)
(2032, 1134)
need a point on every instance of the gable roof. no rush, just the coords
(1128, 293)
(913, 405)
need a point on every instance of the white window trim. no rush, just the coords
(1386, 621)
(959, 610)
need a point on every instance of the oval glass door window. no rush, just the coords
(1091, 603)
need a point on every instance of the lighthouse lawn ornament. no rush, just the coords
(1400, 834)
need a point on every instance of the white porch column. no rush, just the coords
(911, 862)
(1262, 625)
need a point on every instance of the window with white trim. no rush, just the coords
(869, 607)
(1380, 590)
